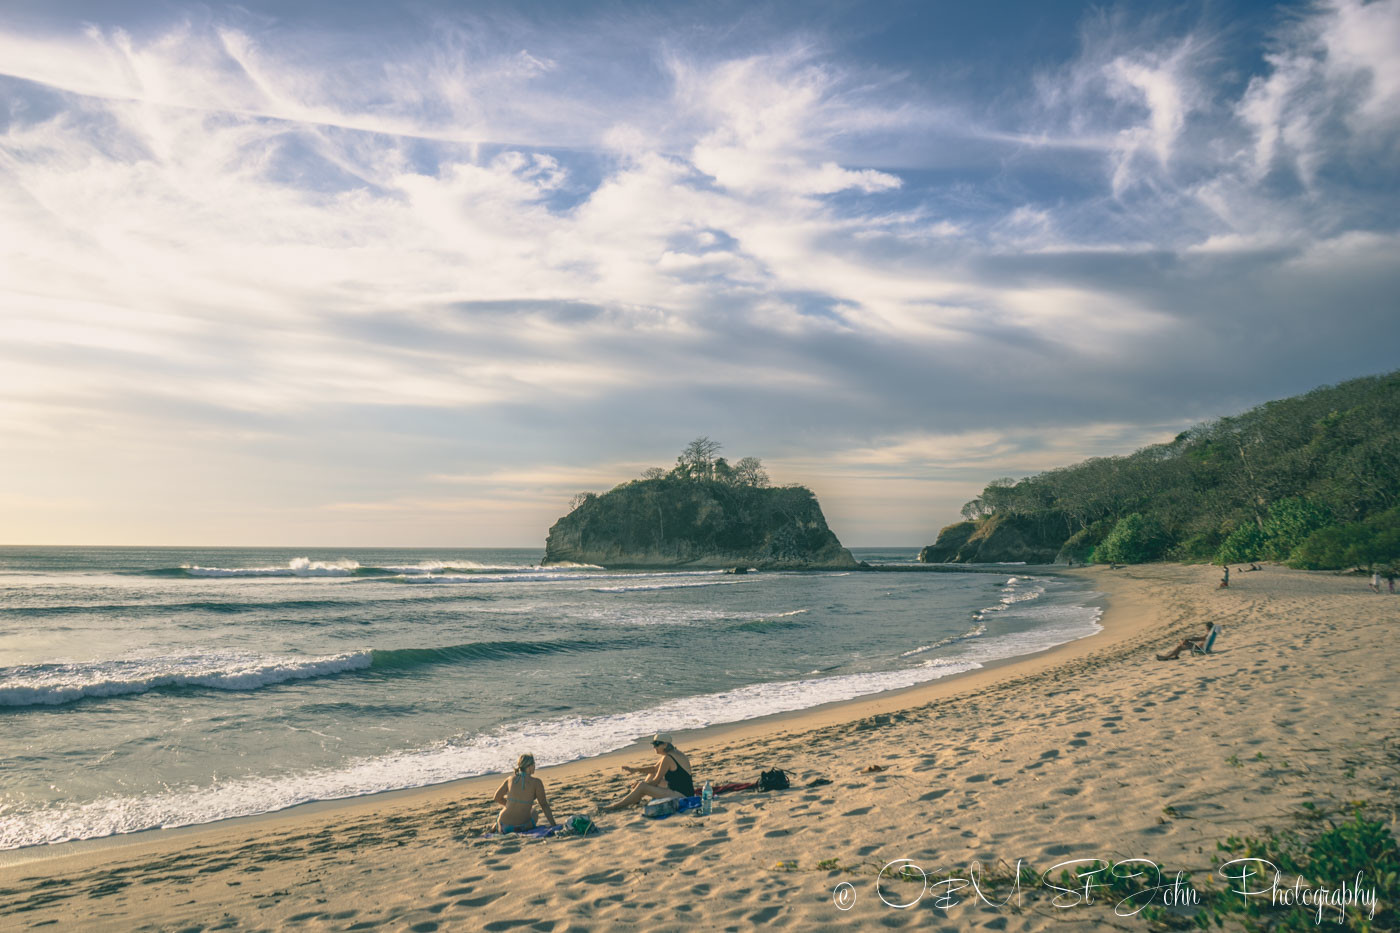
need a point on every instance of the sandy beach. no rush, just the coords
(1091, 750)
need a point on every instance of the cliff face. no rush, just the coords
(950, 540)
(673, 522)
(994, 540)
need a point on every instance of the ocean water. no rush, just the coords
(147, 687)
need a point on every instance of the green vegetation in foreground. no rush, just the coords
(1310, 480)
(1323, 859)
(1319, 856)
(704, 512)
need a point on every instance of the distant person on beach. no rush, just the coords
(669, 777)
(517, 797)
(1376, 581)
(1225, 580)
(1187, 644)
(1390, 582)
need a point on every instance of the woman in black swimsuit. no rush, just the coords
(670, 777)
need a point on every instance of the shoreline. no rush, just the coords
(483, 785)
(1089, 750)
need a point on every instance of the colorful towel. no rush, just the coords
(539, 832)
(682, 804)
(731, 788)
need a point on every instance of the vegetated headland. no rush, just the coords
(1310, 480)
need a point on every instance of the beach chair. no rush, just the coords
(1210, 641)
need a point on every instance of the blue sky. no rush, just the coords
(414, 274)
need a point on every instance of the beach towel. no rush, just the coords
(732, 787)
(663, 813)
(539, 832)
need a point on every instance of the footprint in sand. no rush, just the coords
(613, 878)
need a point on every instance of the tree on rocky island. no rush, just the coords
(697, 461)
(750, 472)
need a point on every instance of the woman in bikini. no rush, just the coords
(517, 797)
(670, 777)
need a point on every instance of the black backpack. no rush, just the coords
(776, 779)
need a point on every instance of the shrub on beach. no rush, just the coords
(1202, 545)
(1289, 524)
(1245, 543)
(1353, 848)
(1081, 544)
(1372, 543)
(1133, 540)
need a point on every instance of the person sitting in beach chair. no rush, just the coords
(517, 797)
(1201, 644)
(669, 777)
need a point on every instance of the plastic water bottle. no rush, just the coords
(707, 800)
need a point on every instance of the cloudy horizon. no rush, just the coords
(368, 275)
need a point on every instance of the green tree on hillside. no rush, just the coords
(1135, 539)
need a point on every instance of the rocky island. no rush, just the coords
(703, 513)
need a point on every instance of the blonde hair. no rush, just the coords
(524, 761)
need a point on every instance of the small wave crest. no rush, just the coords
(1015, 590)
(978, 629)
(778, 622)
(552, 575)
(307, 567)
(645, 587)
(60, 683)
(402, 658)
(296, 567)
(56, 684)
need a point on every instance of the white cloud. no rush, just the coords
(1333, 88)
